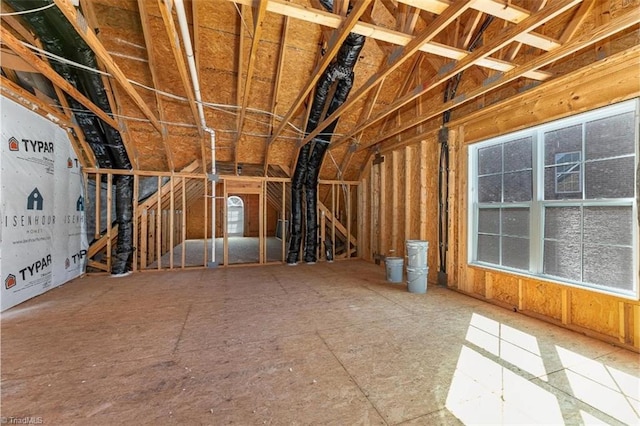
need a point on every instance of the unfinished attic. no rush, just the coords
(325, 211)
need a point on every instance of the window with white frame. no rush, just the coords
(559, 200)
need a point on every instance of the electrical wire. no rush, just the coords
(26, 12)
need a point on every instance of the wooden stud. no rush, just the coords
(184, 223)
(622, 332)
(408, 186)
(395, 201)
(284, 229)
(136, 220)
(172, 211)
(334, 209)
(158, 245)
(636, 326)
(109, 219)
(225, 213)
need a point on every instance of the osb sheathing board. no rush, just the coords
(610, 317)
(541, 297)
(595, 311)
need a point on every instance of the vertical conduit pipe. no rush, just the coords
(188, 47)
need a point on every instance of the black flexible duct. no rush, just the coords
(59, 37)
(312, 153)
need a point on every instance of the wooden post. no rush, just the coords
(395, 200)
(159, 224)
(334, 207)
(143, 238)
(262, 229)
(348, 243)
(98, 216)
(225, 237)
(184, 222)
(172, 210)
(423, 190)
(284, 230)
(109, 202)
(408, 189)
(136, 196)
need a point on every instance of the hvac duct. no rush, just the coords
(311, 154)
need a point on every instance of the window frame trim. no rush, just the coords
(538, 204)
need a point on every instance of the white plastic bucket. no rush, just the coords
(394, 269)
(417, 253)
(417, 280)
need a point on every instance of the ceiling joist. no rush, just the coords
(471, 59)
(587, 39)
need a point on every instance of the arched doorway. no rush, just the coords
(235, 216)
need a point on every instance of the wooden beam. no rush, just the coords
(320, 17)
(259, 14)
(576, 21)
(174, 43)
(84, 147)
(148, 41)
(79, 23)
(53, 76)
(276, 90)
(397, 58)
(510, 55)
(335, 43)
(587, 39)
(471, 59)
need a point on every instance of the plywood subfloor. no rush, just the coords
(322, 344)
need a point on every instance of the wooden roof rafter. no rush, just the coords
(55, 78)
(87, 7)
(174, 42)
(259, 14)
(276, 89)
(397, 58)
(585, 40)
(79, 24)
(335, 43)
(379, 33)
(148, 41)
(508, 36)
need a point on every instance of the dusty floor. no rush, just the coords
(322, 344)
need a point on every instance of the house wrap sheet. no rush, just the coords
(43, 242)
